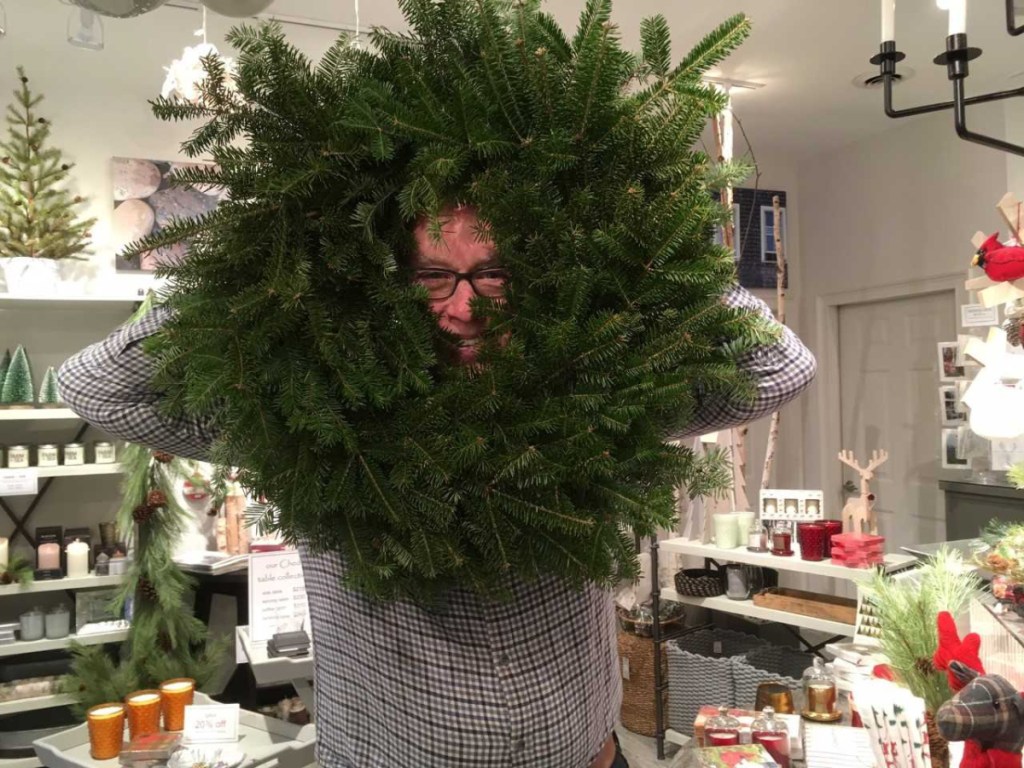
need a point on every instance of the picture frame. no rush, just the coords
(952, 412)
(948, 353)
(948, 449)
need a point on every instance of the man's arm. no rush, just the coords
(108, 385)
(782, 371)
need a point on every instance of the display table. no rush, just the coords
(1002, 640)
(275, 671)
(266, 742)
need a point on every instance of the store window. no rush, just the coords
(768, 252)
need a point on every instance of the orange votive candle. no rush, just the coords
(176, 694)
(106, 730)
(143, 713)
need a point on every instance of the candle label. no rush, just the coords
(74, 454)
(208, 723)
(19, 482)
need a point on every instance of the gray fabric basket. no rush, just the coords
(772, 664)
(700, 672)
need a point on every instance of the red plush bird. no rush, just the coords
(1000, 262)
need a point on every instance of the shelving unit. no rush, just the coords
(745, 608)
(35, 703)
(34, 646)
(60, 585)
(73, 470)
(36, 414)
(113, 300)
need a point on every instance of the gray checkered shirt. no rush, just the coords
(475, 684)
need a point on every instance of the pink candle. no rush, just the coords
(49, 556)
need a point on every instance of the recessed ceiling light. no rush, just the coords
(728, 82)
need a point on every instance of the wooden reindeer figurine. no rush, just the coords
(859, 513)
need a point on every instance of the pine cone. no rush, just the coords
(212, 511)
(1013, 330)
(142, 513)
(163, 457)
(147, 589)
(925, 666)
(156, 498)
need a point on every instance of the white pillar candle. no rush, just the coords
(957, 17)
(888, 20)
(78, 559)
(3, 552)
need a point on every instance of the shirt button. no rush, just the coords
(518, 745)
(504, 660)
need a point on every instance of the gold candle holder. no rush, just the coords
(143, 713)
(821, 703)
(106, 730)
(176, 695)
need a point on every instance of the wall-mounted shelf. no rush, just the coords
(79, 470)
(36, 414)
(112, 300)
(32, 646)
(747, 609)
(60, 585)
(35, 703)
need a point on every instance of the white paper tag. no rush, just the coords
(625, 668)
(208, 723)
(978, 316)
(716, 647)
(19, 482)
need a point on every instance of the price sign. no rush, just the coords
(210, 723)
(19, 482)
(277, 595)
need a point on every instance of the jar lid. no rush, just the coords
(766, 722)
(818, 674)
(723, 720)
(32, 612)
(47, 445)
(17, 448)
(72, 445)
(102, 443)
(58, 609)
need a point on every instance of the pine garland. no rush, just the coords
(298, 333)
(165, 641)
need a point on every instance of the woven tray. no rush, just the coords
(698, 582)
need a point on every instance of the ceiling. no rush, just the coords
(806, 53)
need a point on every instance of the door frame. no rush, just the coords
(827, 308)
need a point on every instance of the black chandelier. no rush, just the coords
(955, 58)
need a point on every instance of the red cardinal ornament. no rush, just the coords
(1000, 262)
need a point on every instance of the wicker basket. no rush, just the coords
(772, 664)
(636, 657)
(698, 582)
(700, 672)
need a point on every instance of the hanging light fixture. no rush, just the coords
(185, 75)
(956, 59)
(3, 21)
(85, 29)
(119, 9)
(237, 8)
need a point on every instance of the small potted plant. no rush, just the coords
(1003, 554)
(38, 224)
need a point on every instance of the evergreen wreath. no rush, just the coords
(297, 332)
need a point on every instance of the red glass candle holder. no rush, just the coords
(782, 543)
(812, 541)
(832, 528)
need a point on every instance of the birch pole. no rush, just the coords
(780, 312)
(723, 129)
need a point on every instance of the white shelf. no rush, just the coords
(58, 585)
(36, 702)
(36, 414)
(8, 301)
(748, 609)
(33, 646)
(767, 560)
(80, 470)
(273, 670)
(20, 762)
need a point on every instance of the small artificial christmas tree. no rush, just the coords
(49, 393)
(18, 389)
(5, 364)
(37, 214)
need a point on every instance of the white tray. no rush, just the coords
(266, 742)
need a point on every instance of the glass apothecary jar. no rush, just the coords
(820, 694)
(722, 730)
(768, 731)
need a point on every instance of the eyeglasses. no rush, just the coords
(441, 283)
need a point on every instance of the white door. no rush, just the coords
(889, 400)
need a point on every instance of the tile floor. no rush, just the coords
(640, 751)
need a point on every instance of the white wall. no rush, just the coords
(897, 208)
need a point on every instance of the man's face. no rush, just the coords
(460, 249)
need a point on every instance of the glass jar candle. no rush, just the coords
(737, 581)
(74, 454)
(58, 622)
(745, 523)
(722, 730)
(143, 713)
(176, 695)
(48, 556)
(47, 456)
(17, 456)
(782, 539)
(32, 625)
(757, 541)
(771, 734)
(820, 694)
(104, 453)
(106, 730)
(811, 537)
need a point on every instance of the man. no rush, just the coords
(473, 684)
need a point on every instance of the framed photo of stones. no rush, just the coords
(145, 201)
